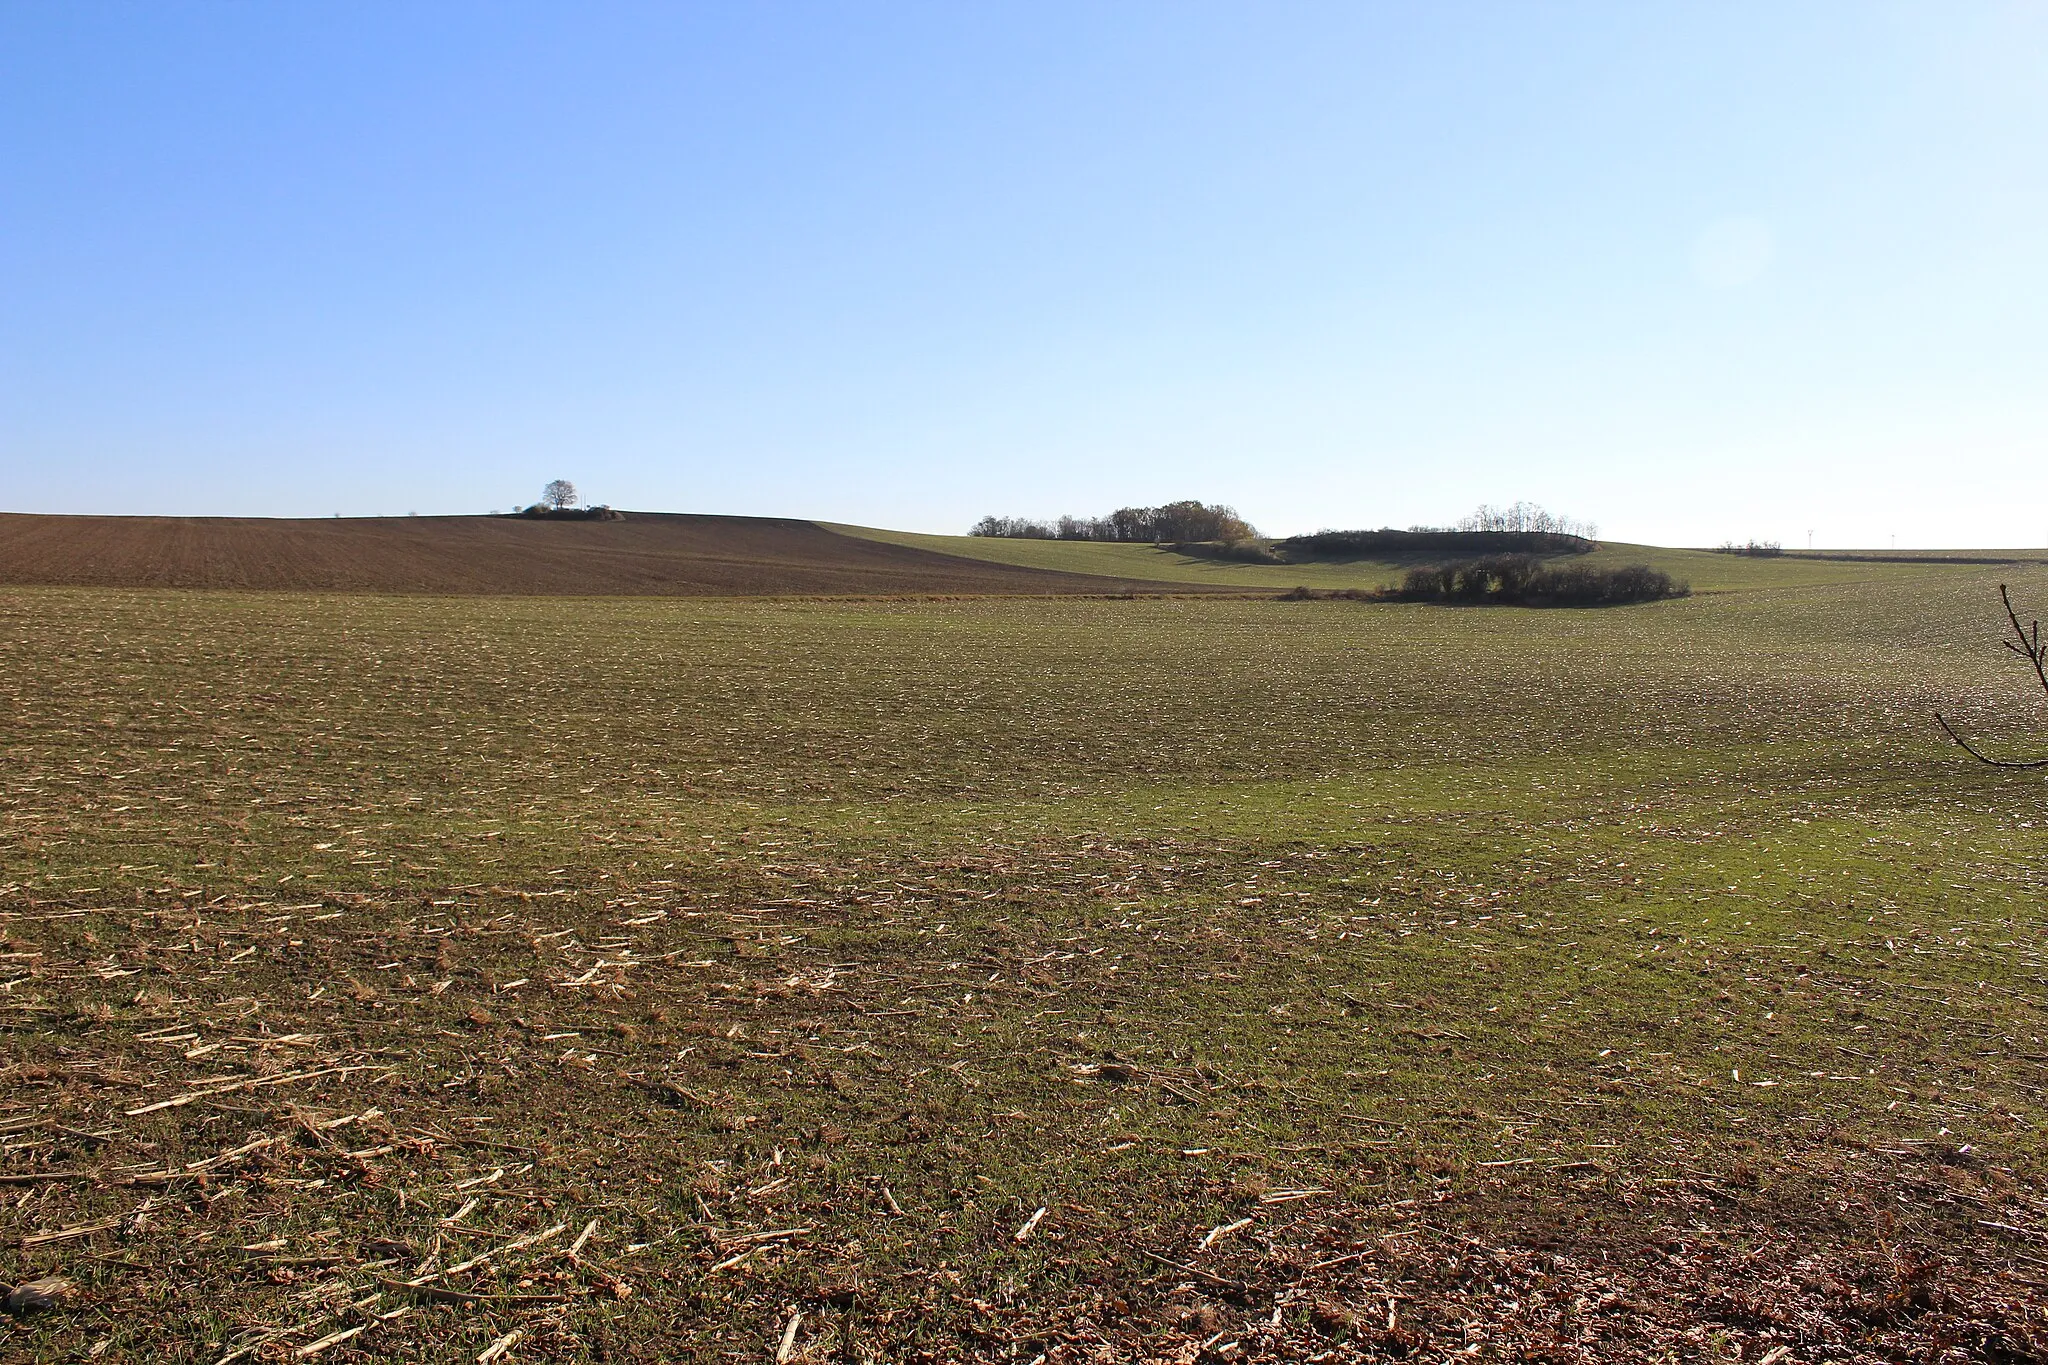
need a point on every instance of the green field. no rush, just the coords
(1704, 570)
(1014, 979)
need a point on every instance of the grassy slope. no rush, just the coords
(1664, 955)
(1704, 570)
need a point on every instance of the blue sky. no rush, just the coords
(1689, 271)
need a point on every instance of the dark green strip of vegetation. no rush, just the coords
(1519, 581)
(1387, 541)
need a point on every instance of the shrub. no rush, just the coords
(1761, 549)
(542, 512)
(1524, 580)
(1328, 595)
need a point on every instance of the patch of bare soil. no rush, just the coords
(644, 554)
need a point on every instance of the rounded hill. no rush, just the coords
(639, 554)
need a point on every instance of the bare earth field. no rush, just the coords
(652, 553)
(524, 979)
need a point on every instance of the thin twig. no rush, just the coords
(2026, 643)
(2029, 640)
(1983, 757)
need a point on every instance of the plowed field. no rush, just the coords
(647, 554)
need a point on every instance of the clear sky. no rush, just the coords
(1691, 271)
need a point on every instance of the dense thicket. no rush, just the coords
(1186, 520)
(1428, 540)
(1521, 528)
(1524, 580)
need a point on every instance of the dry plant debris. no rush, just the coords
(424, 980)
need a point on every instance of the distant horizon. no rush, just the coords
(1694, 273)
(1603, 537)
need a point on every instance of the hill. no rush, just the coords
(1705, 570)
(645, 554)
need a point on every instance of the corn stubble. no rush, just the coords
(503, 979)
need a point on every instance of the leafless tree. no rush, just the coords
(2026, 643)
(1186, 520)
(1524, 517)
(559, 495)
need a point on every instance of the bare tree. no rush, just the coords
(1186, 520)
(1526, 517)
(2026, 643)
(559, 495)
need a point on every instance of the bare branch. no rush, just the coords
(1986, 758)
(2029, 640)
(2027, 644)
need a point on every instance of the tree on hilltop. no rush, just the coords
(560, 494)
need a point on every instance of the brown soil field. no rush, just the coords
(645, 554)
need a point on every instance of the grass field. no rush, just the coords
(1703, 569)
(415, 978)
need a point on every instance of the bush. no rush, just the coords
(1524, 580)
(1761, 549)
(1329, 595)
(540, 511)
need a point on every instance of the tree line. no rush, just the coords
(1526, 518)
(1389, 543)
(1186, 520)
(1218, 531)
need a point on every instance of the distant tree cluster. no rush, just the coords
(1175, 521)
(1527, 517)
(1387, 542)
(1525, 580)
(1761, 549)
(1520, 529)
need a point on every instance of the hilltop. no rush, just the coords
(673, 554)
(643, 554)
